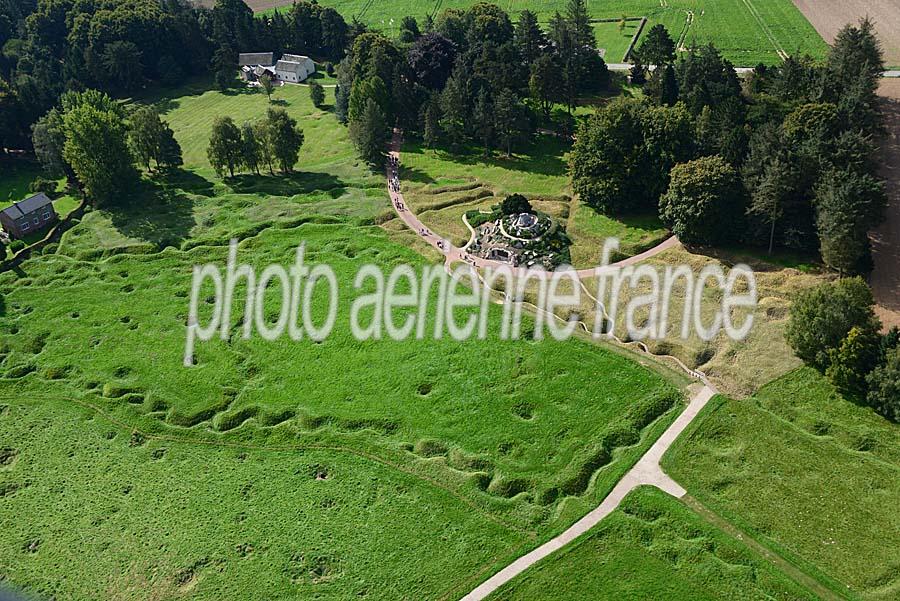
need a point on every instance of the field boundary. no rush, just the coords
(634, 39)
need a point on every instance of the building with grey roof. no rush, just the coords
(33, 214)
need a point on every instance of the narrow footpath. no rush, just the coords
(645, 472)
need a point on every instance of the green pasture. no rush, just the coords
(139, 474)
(91, 510)
(808, 474)
(653, 547)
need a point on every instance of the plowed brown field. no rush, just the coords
(828, 16)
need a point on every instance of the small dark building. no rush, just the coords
(31, 215)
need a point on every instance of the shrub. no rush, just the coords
(16, 245)
(884, 386)
(515, 203)
(42, 184)
(821, 318)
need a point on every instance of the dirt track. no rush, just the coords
(828, 16)
(886, 239)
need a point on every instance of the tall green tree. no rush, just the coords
(370, 133)
(409, 30)
(773, 193)
(431, 126)
(704, 201)
(169, 150)
(821, 318)
(225, 150)
(662, 86)
(262, 132)
(96, 145)
(145, 135)
(510, 119)
(848, 204)
(530, 39)
(853, 360)
(48, 139)
(122, 63)
(884, 386)
(545, 83)
(657, 47)
(285, 138)
(267, 85)
(483, 117)
(251, 148)
(580, 24)
(317, 94)
(455, 107)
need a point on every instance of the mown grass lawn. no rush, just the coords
(440, 187)
(807, 473)
(653, 547)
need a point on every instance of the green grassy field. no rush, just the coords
(653, 547)
(809, 474)
(505, 431)
(92, 511)
(441, 187)
(747, 31)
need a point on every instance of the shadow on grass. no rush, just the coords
(543, 156)
(302, 182)
(415, 175)
(157, 212)
(187, 181)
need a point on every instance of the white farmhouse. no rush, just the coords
(307, 62)
(294, 68)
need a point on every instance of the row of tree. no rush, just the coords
(91, 139)
(784, 159)
(834, 329)
(271, 142)
(469, 76)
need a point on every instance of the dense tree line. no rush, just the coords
(834, 329)
(468, 77)
(119, 46)
(272, 142)
(799, 139)
(92, 140)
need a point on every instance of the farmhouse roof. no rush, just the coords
(247, 59)
(289, 66)
(34, 203)
(297, 58)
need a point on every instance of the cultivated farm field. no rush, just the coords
(746, 31)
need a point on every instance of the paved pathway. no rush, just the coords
(645, 472)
